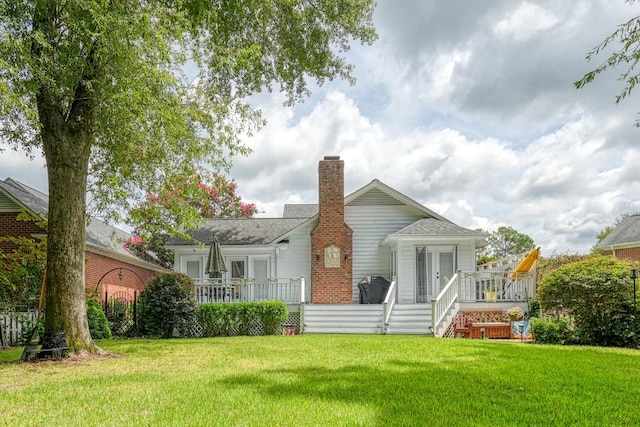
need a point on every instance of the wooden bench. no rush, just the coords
(487, 324)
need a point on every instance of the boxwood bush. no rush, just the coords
(551, 331)
(238, 318)
(98, 323)
(168, 306)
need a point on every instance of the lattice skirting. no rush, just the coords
(256, 329)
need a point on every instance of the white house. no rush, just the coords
(316, 256)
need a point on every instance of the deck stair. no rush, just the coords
(410, 319)
(343, 318)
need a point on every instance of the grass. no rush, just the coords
(318, 380)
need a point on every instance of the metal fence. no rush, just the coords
(121, 310)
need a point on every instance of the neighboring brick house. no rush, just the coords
(109, 267)
(624, 241)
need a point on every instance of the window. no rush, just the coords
(238, 268)
(191, 265)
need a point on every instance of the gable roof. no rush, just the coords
(263, 231)
(100, 235)
(240, 231)
(432, 227)
(627, 233)
(384, 194)
(23, 197)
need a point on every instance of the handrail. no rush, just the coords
(441, 305)
(303, 295)
(387, 305)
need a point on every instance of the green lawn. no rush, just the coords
(331, 380)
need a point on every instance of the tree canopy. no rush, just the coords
(100, 88)
(506, 241)
(159, 216)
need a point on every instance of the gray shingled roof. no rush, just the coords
(306, 210)
(31, 198)
(99, 233)
(241, 231)
(628, 231)
(435, 227)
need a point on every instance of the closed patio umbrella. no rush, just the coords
(215, 260)
(527, 263)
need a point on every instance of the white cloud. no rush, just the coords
(525, 22)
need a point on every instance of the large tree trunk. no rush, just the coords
(66, 150)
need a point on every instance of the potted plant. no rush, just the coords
(491, 293)
(515, 313)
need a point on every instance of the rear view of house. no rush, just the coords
(375, 261)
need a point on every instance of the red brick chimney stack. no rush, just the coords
(331, 240)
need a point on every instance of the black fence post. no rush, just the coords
(135, 310)
(106, 303)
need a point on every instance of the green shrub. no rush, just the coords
(239, 318)
(597, 294)
(534, 308)
(272, 314)
(554, 331)
(168, 306)
(98, 324)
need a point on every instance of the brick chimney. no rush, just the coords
(331, 240)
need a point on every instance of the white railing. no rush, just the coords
(303, 290)
(289, 291)
(442, 304)
(15, 325)
(496, 286)
(387, 305)
(482, 286)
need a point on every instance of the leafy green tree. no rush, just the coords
(158, 217)
(596, 293)
(627, 37)
(99, 87)
(507, 241)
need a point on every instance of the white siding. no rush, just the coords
(467, 255)
(370, 225)
(406, 273)
(406, 279)
(7, 204)
(295, 261)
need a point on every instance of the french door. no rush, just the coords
(435, 265)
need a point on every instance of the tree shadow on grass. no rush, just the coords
(473, 389)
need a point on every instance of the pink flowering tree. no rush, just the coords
(190, 198)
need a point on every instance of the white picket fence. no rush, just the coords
(16, 324)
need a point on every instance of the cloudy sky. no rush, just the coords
(467, 107)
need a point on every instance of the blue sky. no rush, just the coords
(467, 107)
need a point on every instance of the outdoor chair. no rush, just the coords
(461, 326)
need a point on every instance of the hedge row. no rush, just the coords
(239, 318)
